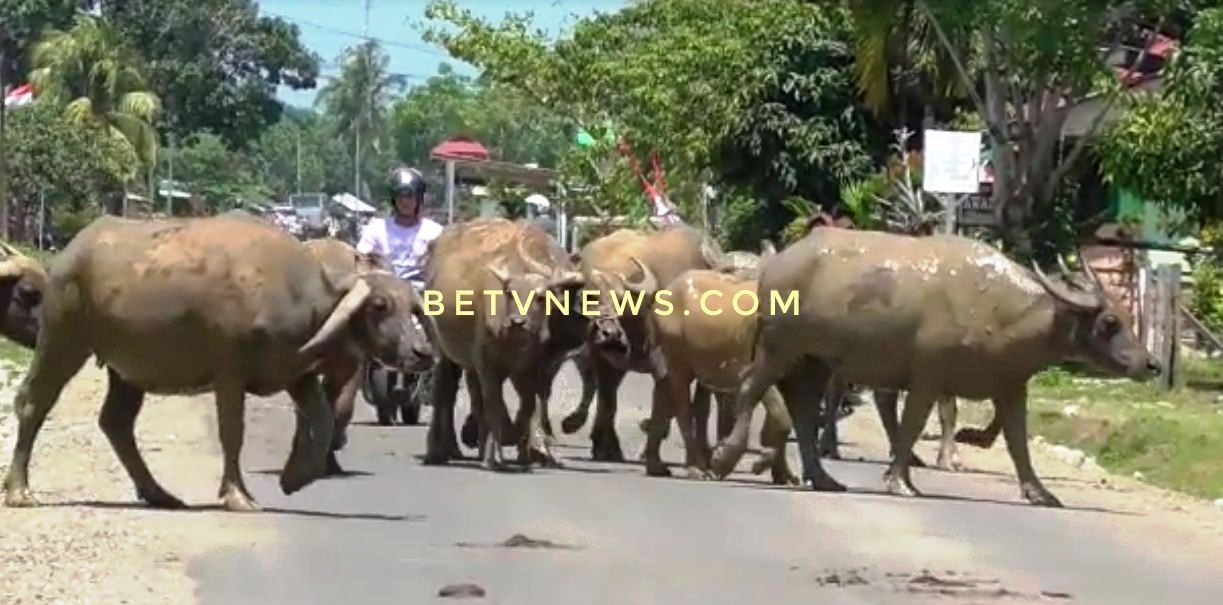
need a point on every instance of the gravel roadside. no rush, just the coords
(91, 541)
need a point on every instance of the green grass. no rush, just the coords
(10, 351)
(1174, 438)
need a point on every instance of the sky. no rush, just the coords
(327, 28)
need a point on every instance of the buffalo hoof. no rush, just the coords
(436, 459)
(723, 460)
(333, 465)
(974, 437)
(697, 473)
(785, 478)
(898, 487)
(1040, 496)
(291, 481)
(236, 501)
(657, 470)
(160, 498)
(608, 453)
(824, 483)
(20, 498)
(573, 423)
(950, 463)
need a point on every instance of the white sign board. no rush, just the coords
(950, 161)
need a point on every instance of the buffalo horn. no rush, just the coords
(1076, 299)
(532, 263)
(1090, 272)
(647, 283)
(340, 316)
(500, 273)
(9, 269)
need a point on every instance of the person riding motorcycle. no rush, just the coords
(400, 241)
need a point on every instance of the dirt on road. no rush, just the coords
(91, 541)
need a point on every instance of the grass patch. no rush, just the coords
(1174, 438)
(11, 351)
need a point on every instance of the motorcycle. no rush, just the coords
(390, 391)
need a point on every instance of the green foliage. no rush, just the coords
(215, 173)
(753, 96)
(77, 169)
(215, 63)
(93, 73)
(1206, 300)
(1167, 147)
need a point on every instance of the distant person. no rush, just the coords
(400, 241)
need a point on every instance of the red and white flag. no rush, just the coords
(19, 96)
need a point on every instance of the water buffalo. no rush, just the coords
(622, 271)
(495, 287)
(342, 374)
(219, 304)
(23, 284)
(936, 316)
(704, 336)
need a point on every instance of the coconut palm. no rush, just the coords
(902, 68)
(95, 77)
(358, 101)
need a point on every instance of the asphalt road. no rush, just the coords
(395, 531)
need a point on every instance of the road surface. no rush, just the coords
(395, 531)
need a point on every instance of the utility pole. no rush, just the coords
(3, 150)
(299, 159)
(170, 192)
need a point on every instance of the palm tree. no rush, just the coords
(358, 102)
(901, 66)
(95, 77)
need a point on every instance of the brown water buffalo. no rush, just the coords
(23, 284)
(499, 288)
(217, 304)
(936, 316)
(622, 272)
(705, 335)
(341, 374)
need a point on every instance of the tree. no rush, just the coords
(1029, 64)
(1167, 146)
(90, 72)
(680, 76)
(221, 176)
(215, 63)
(80, 171)
(357, 103)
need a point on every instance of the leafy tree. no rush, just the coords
(90, 72)
(1028, 65)
(80, 171)
(1168, 146)
(215, 63)
(24, 21)
(222, 177)
(357, 104)
(734, 93)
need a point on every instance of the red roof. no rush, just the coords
(460, 149)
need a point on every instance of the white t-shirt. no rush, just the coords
(404, 247)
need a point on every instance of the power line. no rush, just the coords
(416, 47)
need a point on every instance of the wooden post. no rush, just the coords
(1168, 321)
(449, 192)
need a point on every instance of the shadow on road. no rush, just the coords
(204, 508)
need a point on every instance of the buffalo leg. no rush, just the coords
(605, 444)
(56, 361)
(494, 415)
(586, 370)
(702, 401)
(341, 383)
(1013, 410)
(118, 422)
(917, 411)
(948, 455)
(726, 415)
(532, 444)
(441, 445)
(231, 407)
(773, 434)
(655, 428)
(315, 426)
(886, 403)
(676, 391)
(803, 389)
(473, 426)
(763, 373)
(833, 398)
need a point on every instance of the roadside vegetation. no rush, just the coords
(1172, 439)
